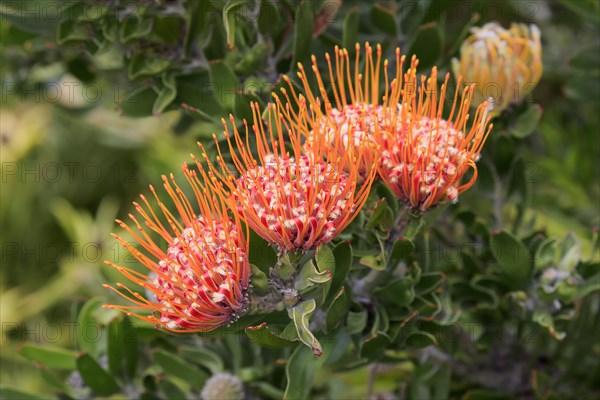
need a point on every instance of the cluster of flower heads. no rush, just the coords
(421, 154)
(298, 177)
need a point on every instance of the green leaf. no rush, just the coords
(384, 19)
(421, 339)
(342, 254)
(241, 106)
(225, 84)
(586, 9)
(139, 102)
(95, 376)
(264, 336)
(171, 390)
(356, 321)
(310, 276)
(403, 250)
(269, 17)
(195, 90)
(9, 393)
(166, 96)
(261, 254)
(325, 262)
(301, 369)
(230, 18)
(376, 262)
(374, 346)
(513, 258)
(427, 44)
(587, 60)
(301, 314)
(350, 32)
(71, 31)
(382, 214)
(303, 33)
(545, 254)
(386, 193)
(204, 357)
(337, 311)
(88, 329)
(175, 366)
(51, 357)
(429, 282)
(134, 28)
(168, 29)
(414, 227)
(267, 390)
(482, 394)
(526, 122)
(399, 291)
(258, 280)
(544, 319)
(141, 65)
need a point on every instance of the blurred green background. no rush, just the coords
(74, 155)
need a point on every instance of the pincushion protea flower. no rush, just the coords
(292, 199)
(505, 64)
(423, 162)
(358, 112)
(199, 282)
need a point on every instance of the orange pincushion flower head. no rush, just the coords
(292, 199)
(425, 161)
(358, 112)
(199, 283)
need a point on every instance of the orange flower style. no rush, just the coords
(199, 283)
(425, 161)
(358, 112)
(292, 199)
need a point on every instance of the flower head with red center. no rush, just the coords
(293, 199)
(358, 112)
(199, 283)
(425, 159)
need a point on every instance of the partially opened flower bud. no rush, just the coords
(426, 159)
(292, 199)
(199, 282)
(505, 64)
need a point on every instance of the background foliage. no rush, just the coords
(99, 98)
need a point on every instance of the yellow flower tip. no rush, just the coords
(356, 46)
(327, 56)
(517, 53)
(300, 66)
(313, 58)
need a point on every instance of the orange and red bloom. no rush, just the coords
(300, 175)
(423, 156)
(199, 283)
(293, 198)
(426, 157)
